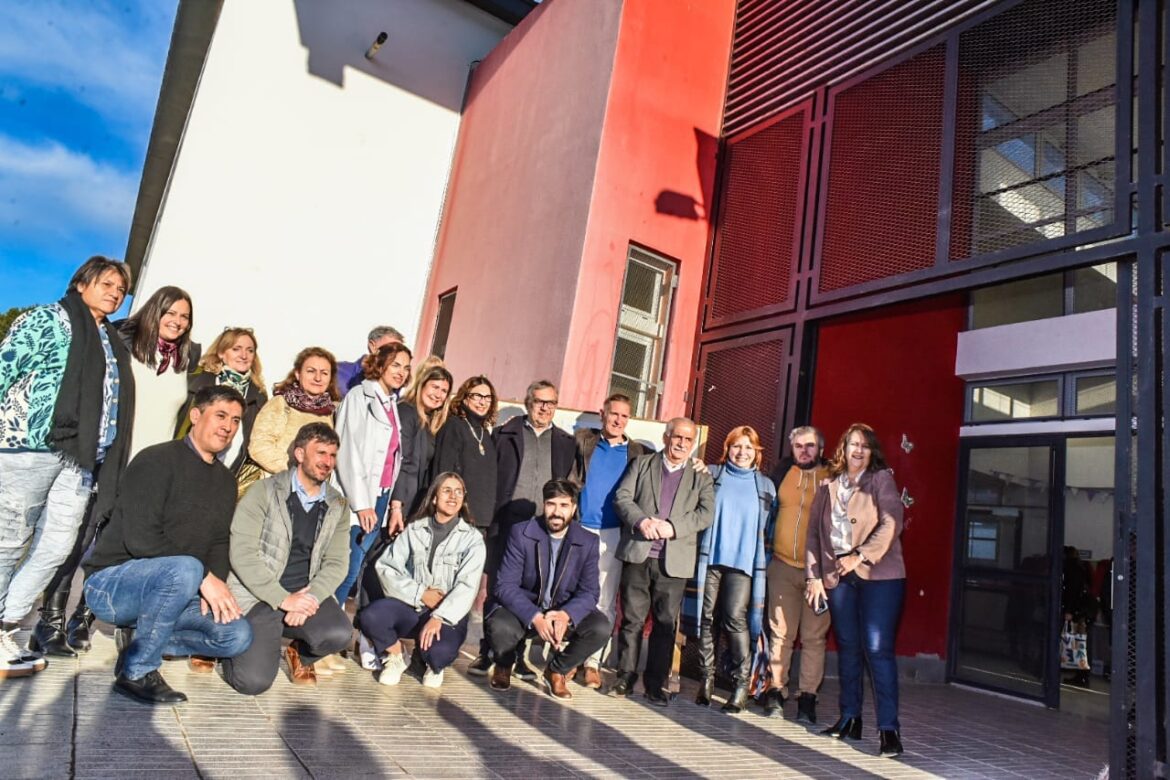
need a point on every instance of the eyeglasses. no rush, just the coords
(478, 397)
(456, 492)
(542, 404)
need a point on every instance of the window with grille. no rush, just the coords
(1036, 126)
(443, 323)
(642, 326)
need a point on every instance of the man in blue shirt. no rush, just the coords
(601, 458)
(349, 374)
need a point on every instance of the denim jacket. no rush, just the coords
(405, 574)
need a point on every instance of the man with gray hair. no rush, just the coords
(663, 506)
(349, 375)
(530, 451)
(789, 615)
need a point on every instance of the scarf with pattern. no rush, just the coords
(235, 380)
(168, 353)
(303, 401)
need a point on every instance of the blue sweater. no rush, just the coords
(605, 469)
(737, 511)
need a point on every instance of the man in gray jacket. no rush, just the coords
(289, 553)
(663, 506)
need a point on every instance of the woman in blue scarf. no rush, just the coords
(732, 566)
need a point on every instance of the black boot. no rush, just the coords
(773, 702)
(706, 688)
(806, 707)
(739, 699)
(78, 630)
(845, 728)
(891, 744)
(48, 636)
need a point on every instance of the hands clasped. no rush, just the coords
(652, 529)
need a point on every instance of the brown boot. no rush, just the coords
(301, 673)
(558, 684)
(201, 665)
(592, 677)
(501, 678)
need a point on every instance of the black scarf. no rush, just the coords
(77, 414)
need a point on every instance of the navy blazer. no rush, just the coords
(521, 578)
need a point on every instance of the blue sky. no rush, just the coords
(78, 85)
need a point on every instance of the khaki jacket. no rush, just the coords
(875, 513)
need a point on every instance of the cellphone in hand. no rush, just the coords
(821, 607)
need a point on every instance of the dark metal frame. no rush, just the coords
(1138, 241)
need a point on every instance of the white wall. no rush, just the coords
(1069, 343)
(308, 188)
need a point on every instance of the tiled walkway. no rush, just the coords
(65, 722)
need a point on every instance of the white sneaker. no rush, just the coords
(369, 659)
(15, 661)
(393, 665)
(432, 679)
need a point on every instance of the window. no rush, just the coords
(642, 326)
(1076, 394)
(443, 323)
(1055, 295)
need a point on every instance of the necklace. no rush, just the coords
(479, 438)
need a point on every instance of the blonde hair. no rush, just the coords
(212, 363)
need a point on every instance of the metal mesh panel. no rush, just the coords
(741, 385)
(754, 253)
(881, 210)
(1035, 151)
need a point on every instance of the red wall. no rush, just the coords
(518, 199)
(591, 125)
(657, 163)
(894, 368)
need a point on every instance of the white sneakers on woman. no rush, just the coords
(432, 679)
(393, 665)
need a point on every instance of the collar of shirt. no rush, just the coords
(528, 423)
(307, 501)
(666, 465)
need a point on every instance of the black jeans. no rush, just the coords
(726, 592)
(505, 632)
(647, 589)
(253, 671)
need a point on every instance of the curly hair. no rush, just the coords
(455, 405)
(374, 364)
(877, 459)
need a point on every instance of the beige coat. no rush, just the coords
(273, 432)
(875, 513)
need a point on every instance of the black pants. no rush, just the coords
(505, 632)
(726, 593)
(647, 588)
(252, 672)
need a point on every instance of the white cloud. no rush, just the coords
(51, 189)
(107, 57)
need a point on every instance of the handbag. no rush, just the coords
(249, 472)
(1074, 647)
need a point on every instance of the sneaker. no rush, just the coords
(433, 679)
(393, 665)
(15, 661)
(369, 658)
(480, 666)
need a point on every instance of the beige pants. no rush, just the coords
(789, 616)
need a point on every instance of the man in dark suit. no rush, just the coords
(663, 506)
(547, 586)
(530, 451)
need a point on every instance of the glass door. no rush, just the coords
(1007, 581)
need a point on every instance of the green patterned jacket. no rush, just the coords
(32, 365)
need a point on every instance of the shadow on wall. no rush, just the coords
(423, 40)
(679, 204)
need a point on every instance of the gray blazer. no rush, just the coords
(262, 539)
(636, 498)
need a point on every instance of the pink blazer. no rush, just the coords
(875, 512)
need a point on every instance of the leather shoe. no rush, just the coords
(479, 666)
(151, 688)
(592, 677)
(300, 672)
(706, 688)
(891, 744)
(844, 728)
(738, 701)
(501, 678)
(48, 636)
(78, 629)
(657, 696)
(557, 684)
(623, 686)
(523, 671)
(773, 702)
(201, 665)
(806, 707)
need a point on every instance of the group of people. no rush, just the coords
(212, 522)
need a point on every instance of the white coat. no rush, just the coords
(364, 429)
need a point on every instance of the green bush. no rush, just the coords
(8, 317)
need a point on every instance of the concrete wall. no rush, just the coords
(306, 195)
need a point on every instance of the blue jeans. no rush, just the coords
(865, 619)
(360, 544)
(160, 598)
